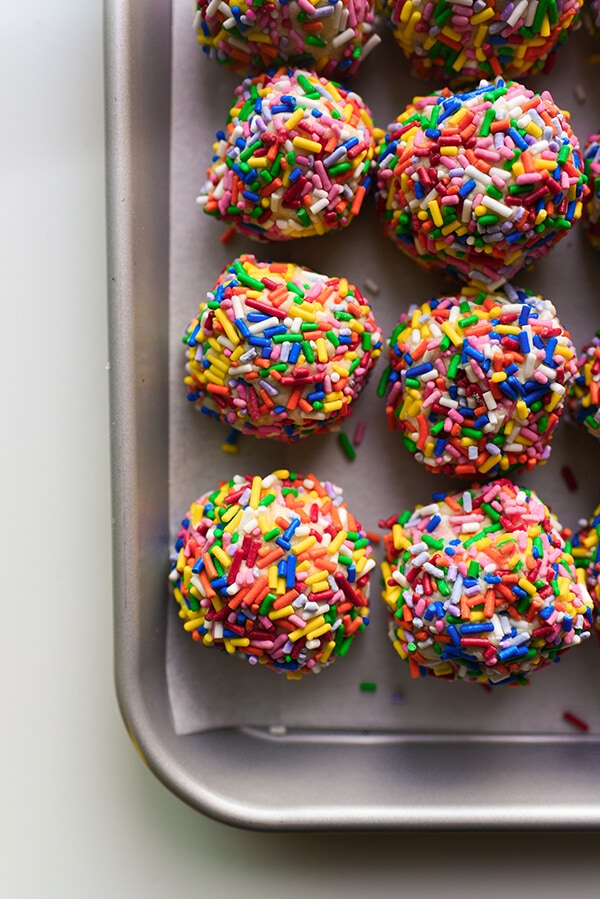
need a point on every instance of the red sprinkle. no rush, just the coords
(575, 721)
(569, 478)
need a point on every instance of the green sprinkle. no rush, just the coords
(266, 604)
(382, 386)
(368, 687)
(346, 446)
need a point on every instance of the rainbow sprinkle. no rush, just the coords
(275, 570)
(472, 39)
(294, 159)
(480, 586)
(584, 395)
(480, 183)
(477, 382)
(332, 37)
(280, 351)
(591, 209)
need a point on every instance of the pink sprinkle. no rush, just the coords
(359, 432)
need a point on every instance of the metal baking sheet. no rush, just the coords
(413, 754)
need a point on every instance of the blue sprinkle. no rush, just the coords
(418, 370)
(290, 574)
(454, 636)
(477, 628)
(289, 531)
(219, 583)
(467, 187)
(524, 315)
(518, 140)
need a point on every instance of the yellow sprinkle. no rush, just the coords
(545, 29)
(320, 586)
(507, 329)
(302, 631)
(451, 33)
(400, 541)
(275, 614)
(451, 333)
(272, 576)
(337, 542)
(255, 492)
(294, 119)
(219, 553)
(318, 632)
(261, 37)
(407, 10)
(333, 405)
(553, 402)
(304, 544)
(193, 624)
(327, 652)
(321, 348)
(402, 652)
(457, 65)
(521, 407)
(232, 525)
(485, 467)
(303, 143)
(525, 585)
(482, 16)
(218, 363)
(476, 616)
(229, 329)
(453, 226)
(480, 36)
(436, 215)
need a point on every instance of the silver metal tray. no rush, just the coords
(321, 754)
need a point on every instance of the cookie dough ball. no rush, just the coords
(480, 586)
(477, 382)
(591, 209)
(294, 159)
(584, 395)
(275, 570)
(479, 184)
(330, 36)
(586, 553)
(280, 351)
(477, 39)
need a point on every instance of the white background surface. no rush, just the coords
(80, 816)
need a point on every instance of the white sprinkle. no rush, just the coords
(371, 285)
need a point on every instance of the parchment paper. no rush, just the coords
(208, 689)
